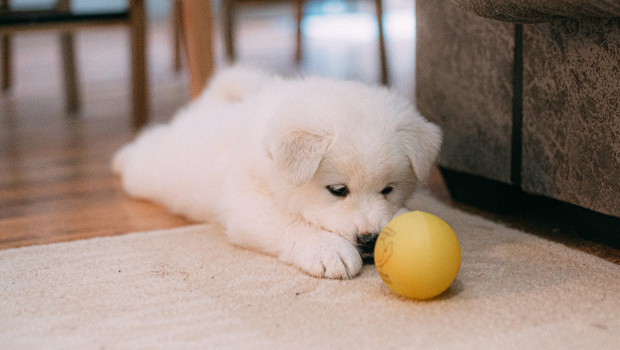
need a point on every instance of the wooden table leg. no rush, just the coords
(198, 27)
(5, 53)
(299, 14)
(177, 34)
(139, 76)
(382, 56)
(70, 71)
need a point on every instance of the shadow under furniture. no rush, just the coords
(528, 96)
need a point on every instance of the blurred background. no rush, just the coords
(339, 40)
(55, 180)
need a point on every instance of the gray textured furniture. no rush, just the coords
(528, 95)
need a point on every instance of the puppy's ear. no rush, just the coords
(297, 154)
(422, 141)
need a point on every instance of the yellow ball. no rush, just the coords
(417, 255)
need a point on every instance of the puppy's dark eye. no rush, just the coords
(387, 190)
(338, 190)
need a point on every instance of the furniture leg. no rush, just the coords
(177, 33)
(139, 78)
(198, 29)
(228, 25)
(6, 62)
(70, 72)
(382, 54)
(67, 48)
(5, 51)
(299, 13)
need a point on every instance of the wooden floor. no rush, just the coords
(55, 182)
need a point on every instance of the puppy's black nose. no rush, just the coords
(366, 246)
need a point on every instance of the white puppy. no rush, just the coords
(307, 170)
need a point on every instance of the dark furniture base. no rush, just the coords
(502, 198)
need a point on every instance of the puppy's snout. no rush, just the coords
(366, 245)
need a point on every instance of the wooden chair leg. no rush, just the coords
(6, 62)
(67, 49)
(177, 33)
(5, 52)
(299, 13)
(139, 77)
(198, 29)
(382, 54)
(70, 72)
(228, 25)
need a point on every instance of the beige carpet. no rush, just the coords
(187, 288)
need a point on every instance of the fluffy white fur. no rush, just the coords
(257, 154)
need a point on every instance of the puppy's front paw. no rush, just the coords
(324, 255)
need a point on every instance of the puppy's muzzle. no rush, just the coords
(366, 246)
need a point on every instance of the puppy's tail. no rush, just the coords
(235, 83)
(118, 160)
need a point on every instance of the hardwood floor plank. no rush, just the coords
(107, 218)
(55, 178)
